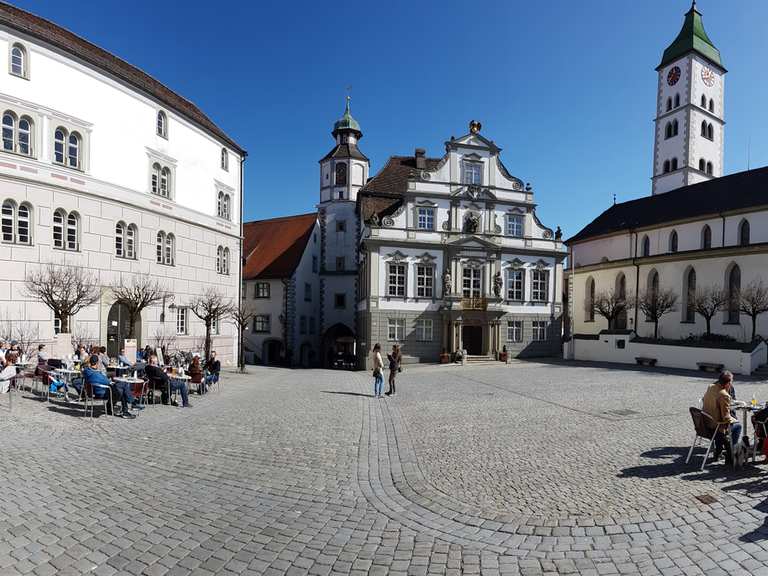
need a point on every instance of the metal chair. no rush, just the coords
(140, 390)
(706, 428)
(762, 426)
(90, 397)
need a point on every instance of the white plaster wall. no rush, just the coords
(616, 247)
(304, 274)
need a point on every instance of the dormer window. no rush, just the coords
(18, 61)
(472, 173)
(425, 218)
(515, 225)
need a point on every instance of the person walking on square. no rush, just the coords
(394, 367)
(378, 371)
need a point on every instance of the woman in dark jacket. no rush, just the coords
(394, 367)
(195, 372)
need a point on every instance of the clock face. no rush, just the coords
(708, 76)
(673, 76)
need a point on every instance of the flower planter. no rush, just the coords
(445, 358)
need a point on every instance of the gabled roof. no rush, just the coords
(61, 38)
(274, 247)
(740, 191)
(692, 38)
(345, 151)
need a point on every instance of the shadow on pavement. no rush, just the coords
(347, 393)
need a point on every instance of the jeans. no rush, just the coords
(378, 382)
(181, 386)
(392, 376)
(735, 432)
(123, 391)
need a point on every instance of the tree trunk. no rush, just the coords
(64, 323)
(709, 322)
(131, 326)
(754, 327)
(656, 330)
(241, 352)
(207, 339)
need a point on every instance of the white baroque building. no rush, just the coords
(454, 258)
(105, 168)
(697, 230)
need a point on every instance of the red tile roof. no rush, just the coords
(274, 247)
(61, 38)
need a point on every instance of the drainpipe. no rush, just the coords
(240, 351)
(722, 243)
(637, 277)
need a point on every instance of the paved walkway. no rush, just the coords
(523, 469)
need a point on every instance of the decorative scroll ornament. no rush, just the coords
(447, 225)
(375, 220)
(387, 222)
(472, 223)
(516, 263)
(547, 234)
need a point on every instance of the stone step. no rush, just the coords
(473, 359)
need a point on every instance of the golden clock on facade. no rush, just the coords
(708, 76)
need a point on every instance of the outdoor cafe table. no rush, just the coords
(67, 375)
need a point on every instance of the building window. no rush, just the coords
(66, 230)
(711, 105)
(703, 101)
(425, 281)
(224, 159)
(261, 290)
(181, 320)
(673, 241)
(341, 226)
(312, 325)
(17, 137)
(74, 150)
(471, 282)
(19, 61)
(425, 218)
(515, 331)
(734, 291)
(160, 180)
(653, 289)
(261, 323)
(669, 104)
(690, 296)
(744, 233)
(646, 246)
(589, 301)
(57, 324)
(709, 168)
(120, 240)
(166, 249)
(16, 223)
(222, 260)
(130, 241)
(674, 164)
(677, 100)
(702, 164)
(706, 237)
(67, 148)
(671, 129)
(307, 292)
(224, 206)
(666, 166)
(9, 131)
(515, 284)
(303, 325)
(396, 329)
(515, 225)
(340, 263)
(472, 173)
(125, 240)
(215, 325)
(424, 330)
(538, 330)
(314, 263)
(396, 280)
(162, 124)
(340, 301)
(341, 174)
(539, 285)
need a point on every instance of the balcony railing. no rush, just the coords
(474, 303)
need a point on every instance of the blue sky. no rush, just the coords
(566, 88)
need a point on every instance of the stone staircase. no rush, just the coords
(475, 360)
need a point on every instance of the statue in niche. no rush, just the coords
(375, 219)
(446, 282)
(472, 223)
(497, 284)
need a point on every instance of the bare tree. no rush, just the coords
(210, 307)
(26, 335)
(64, 289)
(610, 304)
(82, 337)
(753, 301)
(241, 318)
(164, 340)
(655, 304)
(136, 295)
(709, 301)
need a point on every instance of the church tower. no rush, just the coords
(343, 171)
(689, 109)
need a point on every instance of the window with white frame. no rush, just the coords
(16, 222)
(161, 180)
(166, 249)
(396, 329)
(539, 330)
(515, 331)
(67, 148)
(396, 280)
(66, 230)
(425, 281)
(540, 285)
(515, 225)
(471, 282)
(181, 320)
(516, 284)
(222, 260)
(472, 173)
(57, 324)
(261, 323)
(161, 126)
(125, 240)
(425, 218)
(224, 205)
(424, 330)
(224, 159)
(17, 133)
(18, 61)
(215, 325)
(261, 290)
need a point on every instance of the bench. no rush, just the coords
(645, 361)
(710, 366)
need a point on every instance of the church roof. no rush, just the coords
(62, 39)
(345, 151)
(740, 191)
(692, 38)
(274, 247)
(382, 194)
(346, 122)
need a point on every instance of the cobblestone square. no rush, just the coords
(532, 468)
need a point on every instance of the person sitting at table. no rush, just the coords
(8, 372)
(103, 358)
(122, 359)
(93, 375)
(212, 367)
(42, 355)
(717, 404)
(3, 349)
(160, 378)
(195, 372)
(81, 354)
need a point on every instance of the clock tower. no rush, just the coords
(690, 123)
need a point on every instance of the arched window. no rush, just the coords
(9, 221)
(170, 250)
(59, 145)
(224, 159)
(733, 280)
(24, 145)
(227, 206)
(674, 164)
(668, 130)
(706, 237)
(666, 166)
(130, 241)
(744, 233)
(621, 292)
(19, 61)
(162, 124)
(703, 128)
(73, 231)
(709, 168)
(703, 101)
(711, 105)
(156, 178)
(226, 261)
(341, 174)
(689, 290)
(223, 206)
(9, 131)
(702, 164)
(219, 260)
(589, 300)
(669, 104)
(646, 246)
(677, 100)
(59, 217)
(652, 288)
(710, 131)
(120, 240)
(165, 182)
(675, 127)
(160, 246)
(66, 230)
(24, 224)
(73, 150)
(673, 241)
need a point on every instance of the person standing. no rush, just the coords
(394, 367)
(378, 371)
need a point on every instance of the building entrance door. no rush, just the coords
(472, 339)
(118, 329)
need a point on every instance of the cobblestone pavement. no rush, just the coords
(526, 469)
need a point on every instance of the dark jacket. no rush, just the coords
(213, 366)
(195, 373)
(156, 373)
